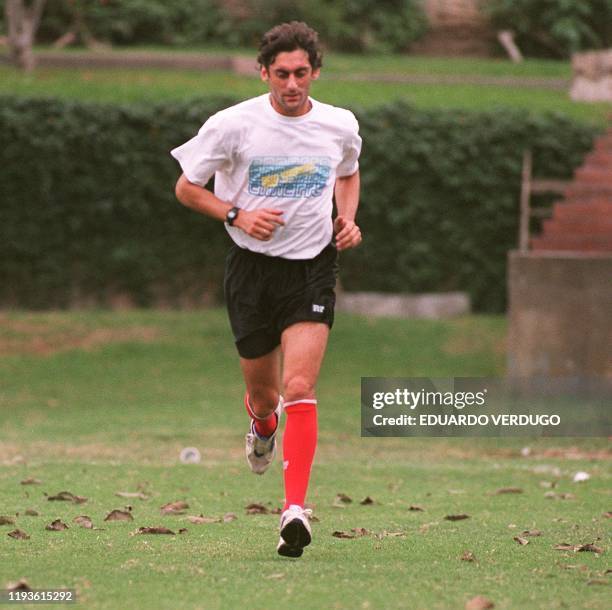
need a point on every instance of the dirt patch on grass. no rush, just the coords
(45, 338)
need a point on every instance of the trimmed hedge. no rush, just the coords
(89, 208)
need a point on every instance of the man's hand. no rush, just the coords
(347, 233)
(259, 224)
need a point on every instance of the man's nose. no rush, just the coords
(292, 81)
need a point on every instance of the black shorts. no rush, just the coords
(266, 294)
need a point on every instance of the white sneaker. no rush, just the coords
(295, 531)
(261, 451)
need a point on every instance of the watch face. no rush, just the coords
(231, 216)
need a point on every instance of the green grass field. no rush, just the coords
(335, 86)
(97, 403)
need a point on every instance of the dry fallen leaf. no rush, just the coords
(119, 515)
(31, 481)
(520, 540)
(548, 484)
(154, 530)
(531, 533)
(367, 501)
(30, 512)
(18, 535)
(341, 500)
(183, 530)
(229, 517)
(468, 556)
(563, 546)
(276, 576)
(590, 548)
(84, 521)
(608, 515)
(20, 585)
(509, 490)
(479, 603)
(202, 519)
(416, 507)
(6, 520)
(581, 548)
(56, 526)
(386, 534)
(552, 495)
(338, 534)
(360, 531)
(66, 496)
(456, 517)
(256, 509)
(130, 494)
(174, 508)
(356, 532)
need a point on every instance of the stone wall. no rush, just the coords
(560, 314)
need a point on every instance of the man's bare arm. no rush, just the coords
(257, 223)
(347, 232)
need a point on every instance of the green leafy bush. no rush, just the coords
(352, 25)
(128, 22)
(89, 208)
(554, 28)
(347, 25)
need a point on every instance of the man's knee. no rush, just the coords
(263, 400)
(298, 387)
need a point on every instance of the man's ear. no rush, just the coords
(316, 73)
(263, 73)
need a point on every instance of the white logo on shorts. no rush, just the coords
(318, 308)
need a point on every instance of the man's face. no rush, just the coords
(289, 78)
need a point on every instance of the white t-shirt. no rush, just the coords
(263, 159)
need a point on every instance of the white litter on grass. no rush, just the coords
(581, 476)
(526, 451)
(190, 455)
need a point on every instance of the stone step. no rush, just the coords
(599, 159)
(589, 198)
(571, 210)
(593, 175)
(574, 243)
(588, 190)
(584, 225)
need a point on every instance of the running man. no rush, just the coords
(278, 159)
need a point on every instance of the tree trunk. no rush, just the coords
(23, 19)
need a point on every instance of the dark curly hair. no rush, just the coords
(289, 37)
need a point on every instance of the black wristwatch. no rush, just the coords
(231, 216)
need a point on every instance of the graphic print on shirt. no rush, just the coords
(288, 177)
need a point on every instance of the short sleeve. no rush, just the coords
(206, 153)
(351, 149)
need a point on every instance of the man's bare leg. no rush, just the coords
(303, 347)
(262, 377)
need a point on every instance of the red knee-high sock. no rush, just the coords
(299, 445)
(264, 426)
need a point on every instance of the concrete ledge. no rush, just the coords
(560, 314)
(433, 306)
